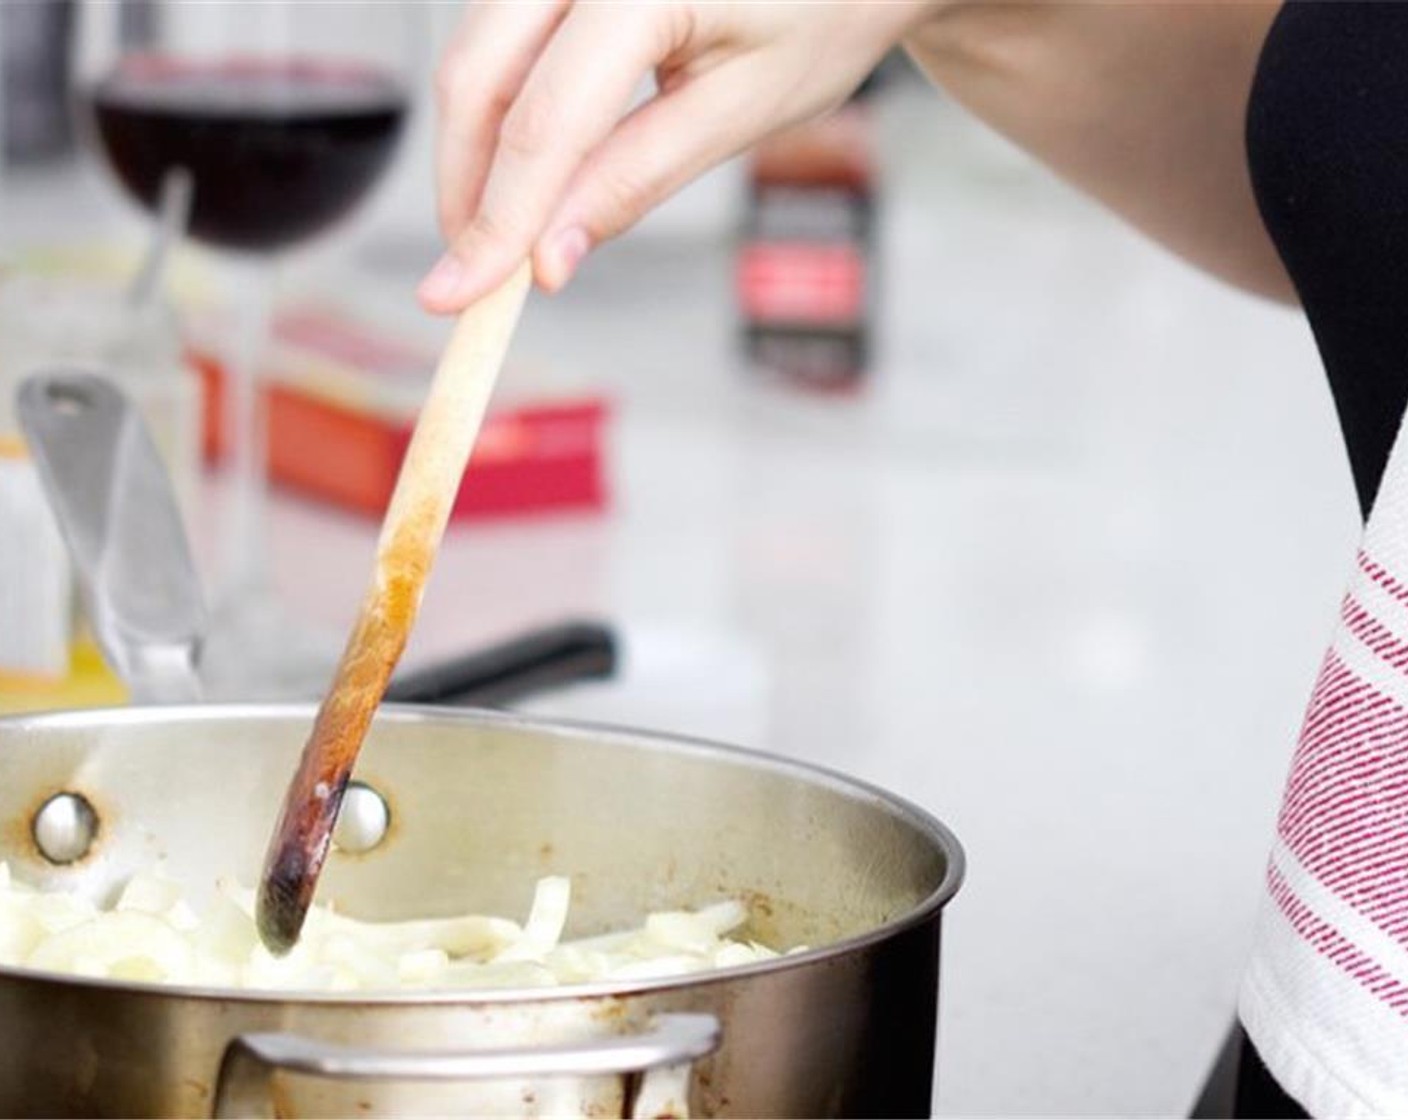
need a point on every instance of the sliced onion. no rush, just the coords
(153, 934)
(121, 944)
(546, 920)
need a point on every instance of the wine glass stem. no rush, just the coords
(248, 547)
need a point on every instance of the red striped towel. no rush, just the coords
(1325, 998)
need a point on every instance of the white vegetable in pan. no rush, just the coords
(152, 934)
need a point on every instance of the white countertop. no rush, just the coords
(1062, 576)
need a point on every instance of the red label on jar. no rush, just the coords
(802, 283)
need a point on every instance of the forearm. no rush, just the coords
(1141, 105)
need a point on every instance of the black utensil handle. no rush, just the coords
(540, 659)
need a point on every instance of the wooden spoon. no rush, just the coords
(415, 521)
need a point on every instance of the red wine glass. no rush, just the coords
(285, 115)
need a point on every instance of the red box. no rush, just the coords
(341, 402)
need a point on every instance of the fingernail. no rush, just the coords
(568, 249)
(444, 280)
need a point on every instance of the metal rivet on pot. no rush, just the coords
(64, 827)
(362, 820)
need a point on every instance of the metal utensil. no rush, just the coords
(116, 510)
(79, 490)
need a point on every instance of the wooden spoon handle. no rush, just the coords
(410, 535)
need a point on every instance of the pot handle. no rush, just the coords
(555, 655)
(242, 1088)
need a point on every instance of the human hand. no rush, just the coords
(537, 155)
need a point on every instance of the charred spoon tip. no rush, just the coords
(279, 914)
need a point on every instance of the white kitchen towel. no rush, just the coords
(1325, 997)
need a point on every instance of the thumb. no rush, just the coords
(480, 259)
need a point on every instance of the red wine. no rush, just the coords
(277, 153)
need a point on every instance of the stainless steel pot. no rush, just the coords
(480, 806)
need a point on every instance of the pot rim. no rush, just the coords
(919, 818)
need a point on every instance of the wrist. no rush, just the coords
(941, 30)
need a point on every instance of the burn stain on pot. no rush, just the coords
(707, 1102)
(762, 913)
(776, 921)
(759, 904)
(280, 1102)
(197, 1088)
(611, 1010)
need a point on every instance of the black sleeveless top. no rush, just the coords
(1327, 140)
(1327, 144)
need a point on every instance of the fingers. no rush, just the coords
(653, 153)
(575, 93)
(482, 71)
